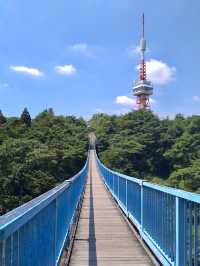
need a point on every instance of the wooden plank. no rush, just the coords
(103, 236)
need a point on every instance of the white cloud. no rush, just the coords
(81, 48)
(67, 70)
(27, 70)
(196, 98)
(159, 72)
(124, 100)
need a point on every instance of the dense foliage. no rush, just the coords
(140, 144)
(36, 154)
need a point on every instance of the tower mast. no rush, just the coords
(143, 88)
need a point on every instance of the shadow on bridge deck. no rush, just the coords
(92, 237)
(103, 237)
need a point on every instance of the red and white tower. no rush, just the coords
(143, 88)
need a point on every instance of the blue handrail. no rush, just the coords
(167, 219)
(35, 233)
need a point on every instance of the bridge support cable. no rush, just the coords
(167, 219)
(36, 233)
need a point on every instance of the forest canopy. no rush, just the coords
(36, 154)
(140, 144)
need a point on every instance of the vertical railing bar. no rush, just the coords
(18, 256)
(168, 238)
(118, 188)
(177, 230)
(162, 227)
(55, 246)
(4, 252)
(185, 233)
(159, 217)
(142, 205)
(11, 251)
(156, 216)
(190, 233)
(126, 195)
(196, 223)
(163, 220)
(167, 224)
(174, 228)
(8, 251)
(171, 228)
(113, 188)
(1, 253)
(15, 249)
(147, 202)
(152, 208)
(152, 222)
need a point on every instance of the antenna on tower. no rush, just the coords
(143, 88)
(143, 25)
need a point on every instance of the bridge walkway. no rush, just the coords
(103, 237)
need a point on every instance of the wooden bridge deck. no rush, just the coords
(103, 237)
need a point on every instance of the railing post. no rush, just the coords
(196, 240)
(142, 205)
(113, 183)
(126, 195)
(177, 230)
(118, 188)
(55, 233)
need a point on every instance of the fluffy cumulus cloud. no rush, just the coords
(27, 70)
(196, 98)
(67, 70)
(159, 72)
(125, 100)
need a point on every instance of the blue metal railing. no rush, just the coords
(36, 233)
(167, 219)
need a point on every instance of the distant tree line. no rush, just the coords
(36, 154)
(140, 144)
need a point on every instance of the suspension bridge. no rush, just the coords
(101, 217)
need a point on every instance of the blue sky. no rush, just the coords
(80, 56)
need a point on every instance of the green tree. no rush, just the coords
(141, 144)
(186, 178)
(37, 158)
(3, 119)
(25, 117)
